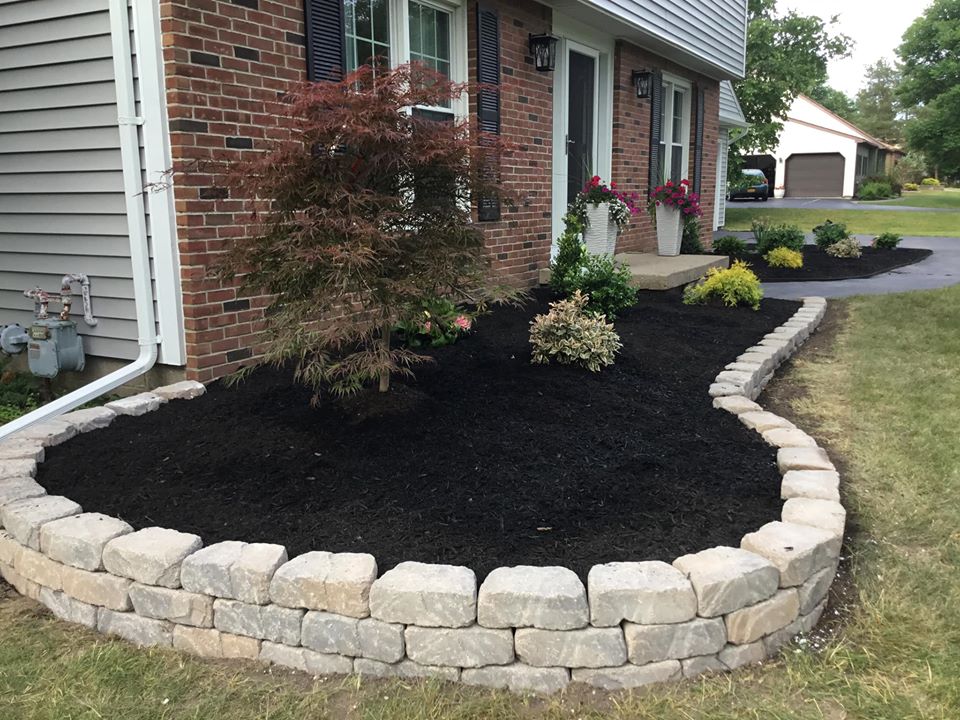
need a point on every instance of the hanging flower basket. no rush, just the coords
(674, 204)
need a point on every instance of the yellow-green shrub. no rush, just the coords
(571, 335)
(846, 248)
(784, 257)
(912, 187)
(930, 181)
(736, 285)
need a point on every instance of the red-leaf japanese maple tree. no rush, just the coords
(364, 212)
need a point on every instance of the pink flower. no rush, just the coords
(462, 322)
(427, 326)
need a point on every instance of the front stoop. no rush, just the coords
(658, 272)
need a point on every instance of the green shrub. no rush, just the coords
(887, 241)
(788, 236)
(930, 181)
(690, 240)
(846, 248)
(572, 335)
(828, 233)
(784, 257)
(912, 187)
(875, 191)
(606, 283)
(892, 180)
(571, 253)
(736, 285)
(729, 245)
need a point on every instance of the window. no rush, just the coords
(397, 32)
(675, 133)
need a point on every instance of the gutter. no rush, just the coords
(147, 337)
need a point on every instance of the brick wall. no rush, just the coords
(228, 62)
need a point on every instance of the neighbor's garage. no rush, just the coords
(814, 175)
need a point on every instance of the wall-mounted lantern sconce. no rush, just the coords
(544, 51)
(642, 81)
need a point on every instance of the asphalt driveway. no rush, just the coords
(828, 204)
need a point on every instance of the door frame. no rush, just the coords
(584, 39)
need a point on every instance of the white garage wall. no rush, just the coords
(803, 139)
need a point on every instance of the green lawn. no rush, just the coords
(864, 222)
(881, 397)
(948, 198)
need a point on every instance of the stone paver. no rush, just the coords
(143, 632)
(48, 433)
(330, 633)
(734, 656)
(233, 570)
(15, 449)
(798, 551)
(427, 595)
(89, 419)
(151, 556)
(19, 468)
(652, 643)
(552, 598)
(641, 592)
(814, 590)
(37, 567)
(178, 606)
(628, 676)
(305, 660)
(97, 588)
(404, 669)
(210, 643)
(803, 459)
(19, 488)
(24, 518)
(183, 390)
(267, 622)
(589, 647)
(726, 579)
(518, 678)
(825, 514)
(816, 484)
(788, 437)
(67, 609)
(763, 421)
(752, 623)
(337, 582)
(473, 646)
(696, 666)
(136, 404)
(78, 540)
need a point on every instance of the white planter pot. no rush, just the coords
(778, 192)
(600, 233)
(669, 230)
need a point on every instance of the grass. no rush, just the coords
(880, 397)
(946, 199)
(861, 222)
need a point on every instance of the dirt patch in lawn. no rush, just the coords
(484, 460)
(817, 265)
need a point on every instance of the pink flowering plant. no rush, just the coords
(623, 206)
(437, 322)
(676, 195)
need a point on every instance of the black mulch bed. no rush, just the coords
(817, 265)
(485, 460)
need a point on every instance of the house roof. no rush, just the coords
(854, 130)
(731, 114)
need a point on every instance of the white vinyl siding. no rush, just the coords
(62, 206)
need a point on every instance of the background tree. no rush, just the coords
(877, 108)
(787, 55)
(930, 57)
(835, 101)
(365, 214)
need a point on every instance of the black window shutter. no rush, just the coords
(656, 129)
(698, 141)
(488, 97)
(326, 58)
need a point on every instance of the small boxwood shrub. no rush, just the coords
(571, 253)
(774, 236)
(887, 241)
(875, 191)
(930, 181)
(911, 187)
(784, 257)
(846, 248)
(828, 233)
(572, 335)
(729, 245)
(733, 286)
(605, 283)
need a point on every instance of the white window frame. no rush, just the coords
(671, 83)
(400, 45)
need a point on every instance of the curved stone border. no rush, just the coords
(526, 628)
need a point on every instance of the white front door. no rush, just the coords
(582, 121)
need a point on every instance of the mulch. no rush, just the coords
(483, 460)
(817, 265)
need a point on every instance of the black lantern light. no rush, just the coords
(544, 51)
(642, 81)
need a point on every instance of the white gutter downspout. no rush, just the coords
(136, 227)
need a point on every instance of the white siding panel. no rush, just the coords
(62, 204)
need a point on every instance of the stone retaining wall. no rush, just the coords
(523, 628)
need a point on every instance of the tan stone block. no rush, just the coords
(97, 588)
(752, 623)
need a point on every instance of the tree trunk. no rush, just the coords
(385, 348)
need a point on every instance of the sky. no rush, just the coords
(876, 27)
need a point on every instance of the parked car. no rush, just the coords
(752, 185)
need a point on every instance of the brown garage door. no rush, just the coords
(815, 175)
